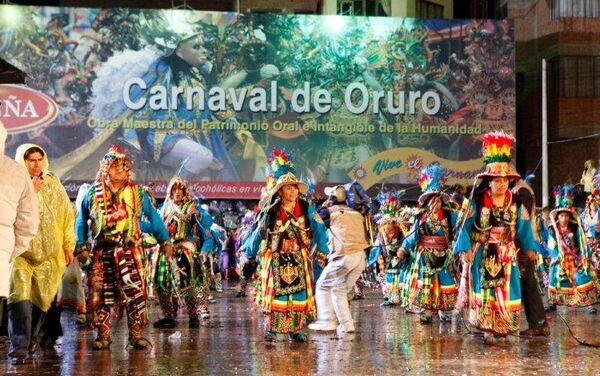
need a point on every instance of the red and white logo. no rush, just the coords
(23, 109)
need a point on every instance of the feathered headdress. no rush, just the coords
(167, 28)
(563, 199)
(497, 149)
(281, 171)
(563, 196)
(389, 210)
(432, 180)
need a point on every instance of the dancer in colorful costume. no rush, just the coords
(432, 280)
(36, 274)
(114, 205)
(591, 222)
(572, 279)
(245, 267)
(219, 238)
(386, 251)
(287, 228)
(183, 276)
(499, 227)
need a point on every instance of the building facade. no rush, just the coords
(567, 34)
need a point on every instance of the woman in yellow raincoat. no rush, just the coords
(36, 274)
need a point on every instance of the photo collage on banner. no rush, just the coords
(207, 95)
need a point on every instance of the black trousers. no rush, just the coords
(3, 317)
(530, 292)
(51, 328)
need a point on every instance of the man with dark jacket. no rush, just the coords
(531, 298)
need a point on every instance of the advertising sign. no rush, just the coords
(207, 95)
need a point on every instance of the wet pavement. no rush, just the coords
(388, 341)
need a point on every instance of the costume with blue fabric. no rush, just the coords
(432, 279)
(572, 280)
(497, 231)
(591, 222)
(281, 242)
(117, 272)
(385, 252)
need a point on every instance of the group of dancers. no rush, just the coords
(475, 254)
(480, 255)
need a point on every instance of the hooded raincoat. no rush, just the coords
(36, 274)
(19, 216)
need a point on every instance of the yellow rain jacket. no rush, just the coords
(36, 274)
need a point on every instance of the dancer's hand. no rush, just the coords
(83, 254)
(168, 248)
(531, 255)
(468, 256)
(83, 257)
(38, 183)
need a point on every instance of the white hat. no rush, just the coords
(290, 179)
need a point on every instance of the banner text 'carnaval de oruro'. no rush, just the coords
(357, 99)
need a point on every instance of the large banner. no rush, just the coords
(207, 95)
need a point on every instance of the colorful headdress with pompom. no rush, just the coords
(389, 209)
(281, 171)
(497, 154)
(432, 180)
(563, 200)
(563, 196)
(115, 152)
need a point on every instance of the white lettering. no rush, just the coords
(303, 93)
(258, 102)
(322, 101)
(436, 102)
(127, 91)
(237, 101)
(216, 99)
(363, 100)
(158, 98)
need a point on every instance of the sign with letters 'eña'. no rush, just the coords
(23, 109)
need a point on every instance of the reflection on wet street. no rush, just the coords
(387, 341)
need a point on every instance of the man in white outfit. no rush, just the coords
(19, 216)
(348, 239)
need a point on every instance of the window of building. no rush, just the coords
(574, 76)
(427, 9)
(363, 7)
(574, 8)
